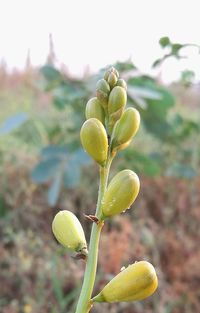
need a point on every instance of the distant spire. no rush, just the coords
(51, 58)
(28, 60)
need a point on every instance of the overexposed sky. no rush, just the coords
(97, 33)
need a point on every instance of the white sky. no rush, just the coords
(97, 33)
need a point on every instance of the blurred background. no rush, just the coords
(51, 56)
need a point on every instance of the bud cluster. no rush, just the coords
(108, 128)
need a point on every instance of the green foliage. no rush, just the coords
(167, 130)
(13, 122)
(153, 102)
(174, 50)
(59, 166)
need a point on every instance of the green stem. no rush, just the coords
(84, 303)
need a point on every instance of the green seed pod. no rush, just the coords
(112, 80)
(121, 82)
(137, 282)
(111, 70)
(117, 99)
(120, 194)
(102, 92)
(94, 140)
(125, 128)
(116, 103)
(68, 231)
(94, 109)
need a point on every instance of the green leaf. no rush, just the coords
(52, 151)
(164, 42)
(145, 164)
(125, 66)
(176, 48)
(45, 170)
(181, 171)
(81, 158)
(72, 174)
(157, 62)
(50, 73)
(13, 122)
(154, 115)
(143, 92)
(54, 190)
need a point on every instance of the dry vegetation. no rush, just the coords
(38, 276)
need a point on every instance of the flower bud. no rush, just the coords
(102, 92)
(137, 282)
(120, 194)
(94, 109)
(94, 140)
(68, 231)
(109, 71)
(116, 103)
(112, 80)
(125, 129)
(121, 82)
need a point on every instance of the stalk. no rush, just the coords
(84, 304)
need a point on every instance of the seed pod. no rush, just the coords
(120, 194)
(68, 231)
(125, 129)
(94, 140)
(109, 71)
(102, 92)
(94, 109)
(121, 82)
(137, 282)
(116, 103)
(112, 80)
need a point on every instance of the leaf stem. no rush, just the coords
(84, 304)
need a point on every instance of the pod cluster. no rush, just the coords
(109, 128)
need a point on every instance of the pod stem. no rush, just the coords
(84, 304)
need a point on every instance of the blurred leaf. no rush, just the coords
(125, 66)
(73, 168)
(181, 171)
(187, 77)
(164, 42)
(142, 92)
(54, 151)
(50, 73)
(13, 122)
(157, 62)
(54, 190)
(45, 170)
(154, 115)
(72, 174)
(81, 158)
(176, 48)
(147, 165)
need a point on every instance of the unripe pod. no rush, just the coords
(102, 92)
(125, 128)
(116, 103)
(109, 71)
(121, 82)
(94, 140)
(117, 99)
(94, 109)
(120, 194)
(137, 282)
(68, 231)
(112, 80)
